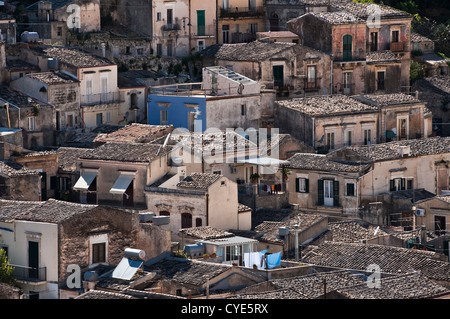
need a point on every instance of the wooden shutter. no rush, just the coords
(306, 185)
(335, 193)
(297, 185)
(320, 199)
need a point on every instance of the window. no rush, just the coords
(330, 140)
(367, 136)
(169, 47)
(439, 225)
(402, 128)
(347, 82)
(201, 22)
(253, 28)
(380, 80)
(158, 16)
(350, 189)
(243, 109)
(311, 74)
(302, 185)
(200, 45)
(163, 120)
(348, 138)
(373, 41)
(347, 47)
(226, 33)
(169, 16)
(186, 220)
(98, 253)
(395, 36)
(198, 222)
(410, 183)
(32, 123)
(59, 31)
(99, 119)
(159, 49)
(397, 184)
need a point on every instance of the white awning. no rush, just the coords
(85, 180)
(262, 160)
(121, 184)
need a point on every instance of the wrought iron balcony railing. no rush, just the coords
(25, 273)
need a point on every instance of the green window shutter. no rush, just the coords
(336, 193)
(320, 195)
(347, 47)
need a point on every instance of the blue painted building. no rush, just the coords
(180, 111)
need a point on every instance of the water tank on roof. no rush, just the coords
(194, 250)
(133, 253)
(28, 36)
(160, 220)
(146, 217)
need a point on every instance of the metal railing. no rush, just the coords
(101, 98)
(29, 273)
(241, 37)
(171, 27)
(241, 12)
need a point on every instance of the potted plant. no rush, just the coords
(285, 172)
(254, 177)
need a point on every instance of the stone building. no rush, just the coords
(331, 122)
(117, 173)
(19, 183)
(200, 199)
(53, 20)
(44, 238)
(101, 101)
(367, 57)
(34, 117)
(58, 89)
(321, 183)
(283, 66)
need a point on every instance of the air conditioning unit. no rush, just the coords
(420, 212)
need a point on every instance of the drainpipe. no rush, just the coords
(207, 208)
(331, 74)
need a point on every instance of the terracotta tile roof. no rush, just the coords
(100, 294)
(205, 232)
(389, 150)
(11, 169)
(268, 230)
(71, 56)
(362, 10)
(52, 211)
(327, 105)
(411, 286)
(319, 162)
(67, 157)
(381, 56)
(252, 51)
(353, 231)
(184, 271)
(339, 17)
(391, 260)
(127, 152)
(387, 99)
(52, 77)
(134, 133)
(199, 180)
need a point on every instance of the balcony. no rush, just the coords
(171, 27)
(242, 37)
(30, 274)
(397, 46)
(203, 31)
(242, 12)
(102, 98)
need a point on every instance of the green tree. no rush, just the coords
(6, 271)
